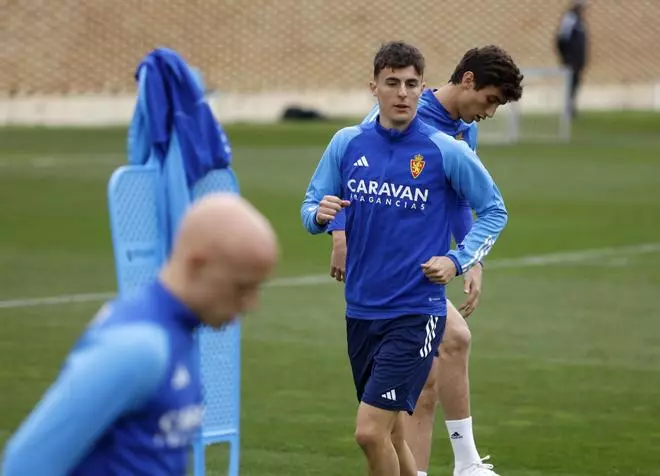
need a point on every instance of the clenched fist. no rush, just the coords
(439, 269)
(328, 209)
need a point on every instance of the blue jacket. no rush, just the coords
(432, 112)
(128, 399)
(404, 188)
(173, 127)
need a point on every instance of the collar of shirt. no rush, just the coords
(393, 134)
(177, 308)
(436, 112)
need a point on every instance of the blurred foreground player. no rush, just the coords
(484, 79)
(399, 181)
(128, 400)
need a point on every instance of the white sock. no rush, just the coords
(462, 441)
(421, 473)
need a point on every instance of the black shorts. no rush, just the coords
(391, 358)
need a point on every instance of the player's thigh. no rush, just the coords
(403, 361)
(362, 343)
(429, 396)
(457, 336)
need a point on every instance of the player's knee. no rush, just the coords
(370, 436)
(456, 341)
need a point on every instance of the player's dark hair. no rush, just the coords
(398, 55)
(491, 66)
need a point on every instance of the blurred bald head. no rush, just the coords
(226, 225)
(224, 250)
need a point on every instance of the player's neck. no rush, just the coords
(172, 279)
(385, 123)
(447, 95)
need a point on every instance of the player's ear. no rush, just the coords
(467, 81)
(196, 264)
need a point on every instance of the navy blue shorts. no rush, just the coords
(391, 358)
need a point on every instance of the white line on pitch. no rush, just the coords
(320, 279)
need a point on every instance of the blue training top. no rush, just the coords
(432, 112)
(127, 401)
(404, 188)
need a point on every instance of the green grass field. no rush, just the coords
(566, 347)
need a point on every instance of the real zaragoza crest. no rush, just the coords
(417, 165)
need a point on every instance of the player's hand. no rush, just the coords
(338, 256)
(471, 287)
(328, 209)
(439, 269)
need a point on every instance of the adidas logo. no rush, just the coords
(391, 395)
(456, 436)
(181, 378)
(361, 162)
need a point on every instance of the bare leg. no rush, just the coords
(448, 383)
(454, 390)
(373, 434)
(407, 465)
(452, 379)
(419, 426)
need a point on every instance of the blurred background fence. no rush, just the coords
(71, 61)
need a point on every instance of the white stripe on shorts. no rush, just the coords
(430, 335)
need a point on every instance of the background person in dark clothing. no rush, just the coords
(571, 42)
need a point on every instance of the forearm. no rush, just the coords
(338, 238)
(462, 222)
(481, 238)
(308, 215)
(106, 378)
(326, 181)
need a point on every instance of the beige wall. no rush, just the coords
(69, 46)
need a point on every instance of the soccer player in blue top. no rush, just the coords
(484, 79)
(399, 180)
(128, 400)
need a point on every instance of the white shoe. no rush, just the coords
(476, 469)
